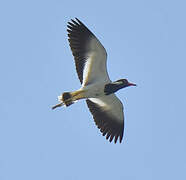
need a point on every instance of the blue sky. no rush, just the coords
(145, 42)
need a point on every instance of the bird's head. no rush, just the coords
(124, 83)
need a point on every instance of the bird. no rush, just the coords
(96, 87)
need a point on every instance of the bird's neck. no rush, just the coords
(113, 87)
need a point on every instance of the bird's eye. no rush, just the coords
(126, 81)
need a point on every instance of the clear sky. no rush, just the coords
(146, 43)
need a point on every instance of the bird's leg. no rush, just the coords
(68, 98)
(58, 105)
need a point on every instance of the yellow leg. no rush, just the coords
(73, 96)
(57, 105)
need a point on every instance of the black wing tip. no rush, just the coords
(78, 20)
(109, 128)
(116, 135)
(111, 137)
(74, 24)
(74, 21)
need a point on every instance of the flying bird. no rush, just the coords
(96, 87)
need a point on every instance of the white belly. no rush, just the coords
(94, 90)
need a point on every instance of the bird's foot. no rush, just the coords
(60, 104)
(57, 105)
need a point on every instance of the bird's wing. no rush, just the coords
(108, 115)
(89, 54)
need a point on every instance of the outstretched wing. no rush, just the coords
(108, 115)
(89, 54)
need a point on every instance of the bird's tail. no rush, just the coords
(68, 98)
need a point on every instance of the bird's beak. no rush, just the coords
(132, 84)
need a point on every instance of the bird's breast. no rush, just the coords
(94, 90)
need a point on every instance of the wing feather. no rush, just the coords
(108, 115)
(89, 54)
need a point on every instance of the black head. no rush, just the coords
(124, 83)
(115, 86)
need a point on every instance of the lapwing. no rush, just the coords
(96, 87)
